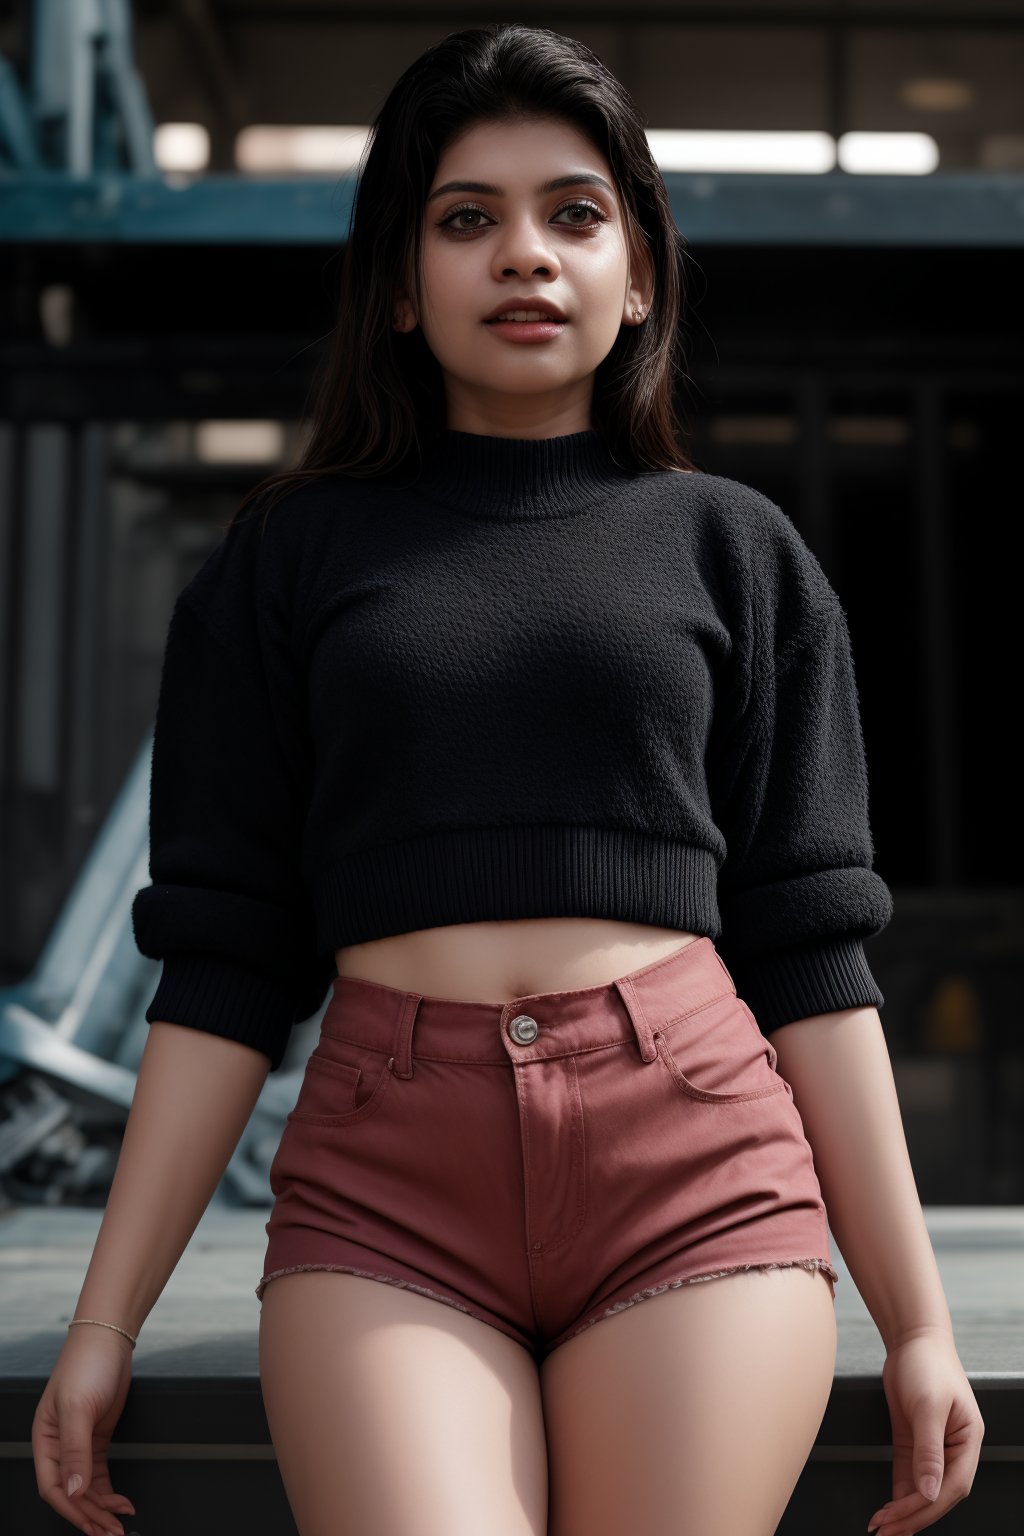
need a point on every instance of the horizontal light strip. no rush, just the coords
(268, 149)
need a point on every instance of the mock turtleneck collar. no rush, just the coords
(517, 477)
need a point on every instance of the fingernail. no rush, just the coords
(930, 1488)
(74, 1483)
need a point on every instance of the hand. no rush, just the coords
(73, 1425)
(937, 1430)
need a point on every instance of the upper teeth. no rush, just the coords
(525, 314)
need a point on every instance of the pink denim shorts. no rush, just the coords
(542, 1164)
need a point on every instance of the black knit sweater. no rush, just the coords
(522, 683)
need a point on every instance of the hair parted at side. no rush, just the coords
(379, 394)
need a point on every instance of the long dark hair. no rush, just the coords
(380, 395)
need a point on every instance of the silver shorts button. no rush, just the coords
(523, 1029)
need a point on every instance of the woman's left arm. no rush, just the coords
(838, 1067)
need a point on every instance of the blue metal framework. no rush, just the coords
(962, 208)
(77, 166)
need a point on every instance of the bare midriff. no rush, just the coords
(495, 962)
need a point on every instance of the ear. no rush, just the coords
(403, 316)
(640, 292)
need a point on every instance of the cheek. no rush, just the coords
(447, 267)
(602, 320)
(602, 294)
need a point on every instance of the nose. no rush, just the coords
(526, 247)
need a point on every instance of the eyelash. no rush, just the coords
(454, 213)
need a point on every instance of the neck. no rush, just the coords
(517, 477)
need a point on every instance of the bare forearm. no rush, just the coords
(839, 1069)
(193, 1098)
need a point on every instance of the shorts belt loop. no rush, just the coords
(639, 1020)
(403, 1034)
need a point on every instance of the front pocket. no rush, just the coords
(718, 1055)
(336, 1092)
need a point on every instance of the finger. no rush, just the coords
(76, 1465)
(92, 1517)
(118, 1501)
(103, 1518)
(911, 1524)
(914, 1503)
(90, 1512)
(102, 1508)
(930, 1423)
(108, 1493)
(896, 1509)
(101, 1524)
(77, 1515)
(82, 1510)
(911, 1527)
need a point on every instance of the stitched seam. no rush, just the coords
(707, 1095)
(578, 1170)
(688, 1013)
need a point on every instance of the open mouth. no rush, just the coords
(539, 319)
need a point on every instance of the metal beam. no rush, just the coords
(954, 209)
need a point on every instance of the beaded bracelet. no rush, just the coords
(116, 1329)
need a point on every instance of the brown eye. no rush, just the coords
(448, 222)
(588, 207)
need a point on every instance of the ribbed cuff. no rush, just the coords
(208, 993)
(796, 983)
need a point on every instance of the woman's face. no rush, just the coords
(485, 249)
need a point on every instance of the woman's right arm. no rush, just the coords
(193, 1097)
(228, 914)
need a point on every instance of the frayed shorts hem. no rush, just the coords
(821, 1265)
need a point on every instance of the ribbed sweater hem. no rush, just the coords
(478, 874)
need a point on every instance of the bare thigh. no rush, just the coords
(393, 1412)
(694, 1410)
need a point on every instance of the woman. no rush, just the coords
(495, 722)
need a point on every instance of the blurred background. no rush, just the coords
(176, 178)
(175, 184)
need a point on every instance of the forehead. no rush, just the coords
(522, 156)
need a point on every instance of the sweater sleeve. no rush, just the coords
(797, 892)
(227, 911)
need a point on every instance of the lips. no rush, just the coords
(544, 307)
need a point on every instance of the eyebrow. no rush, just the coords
(575, 179)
